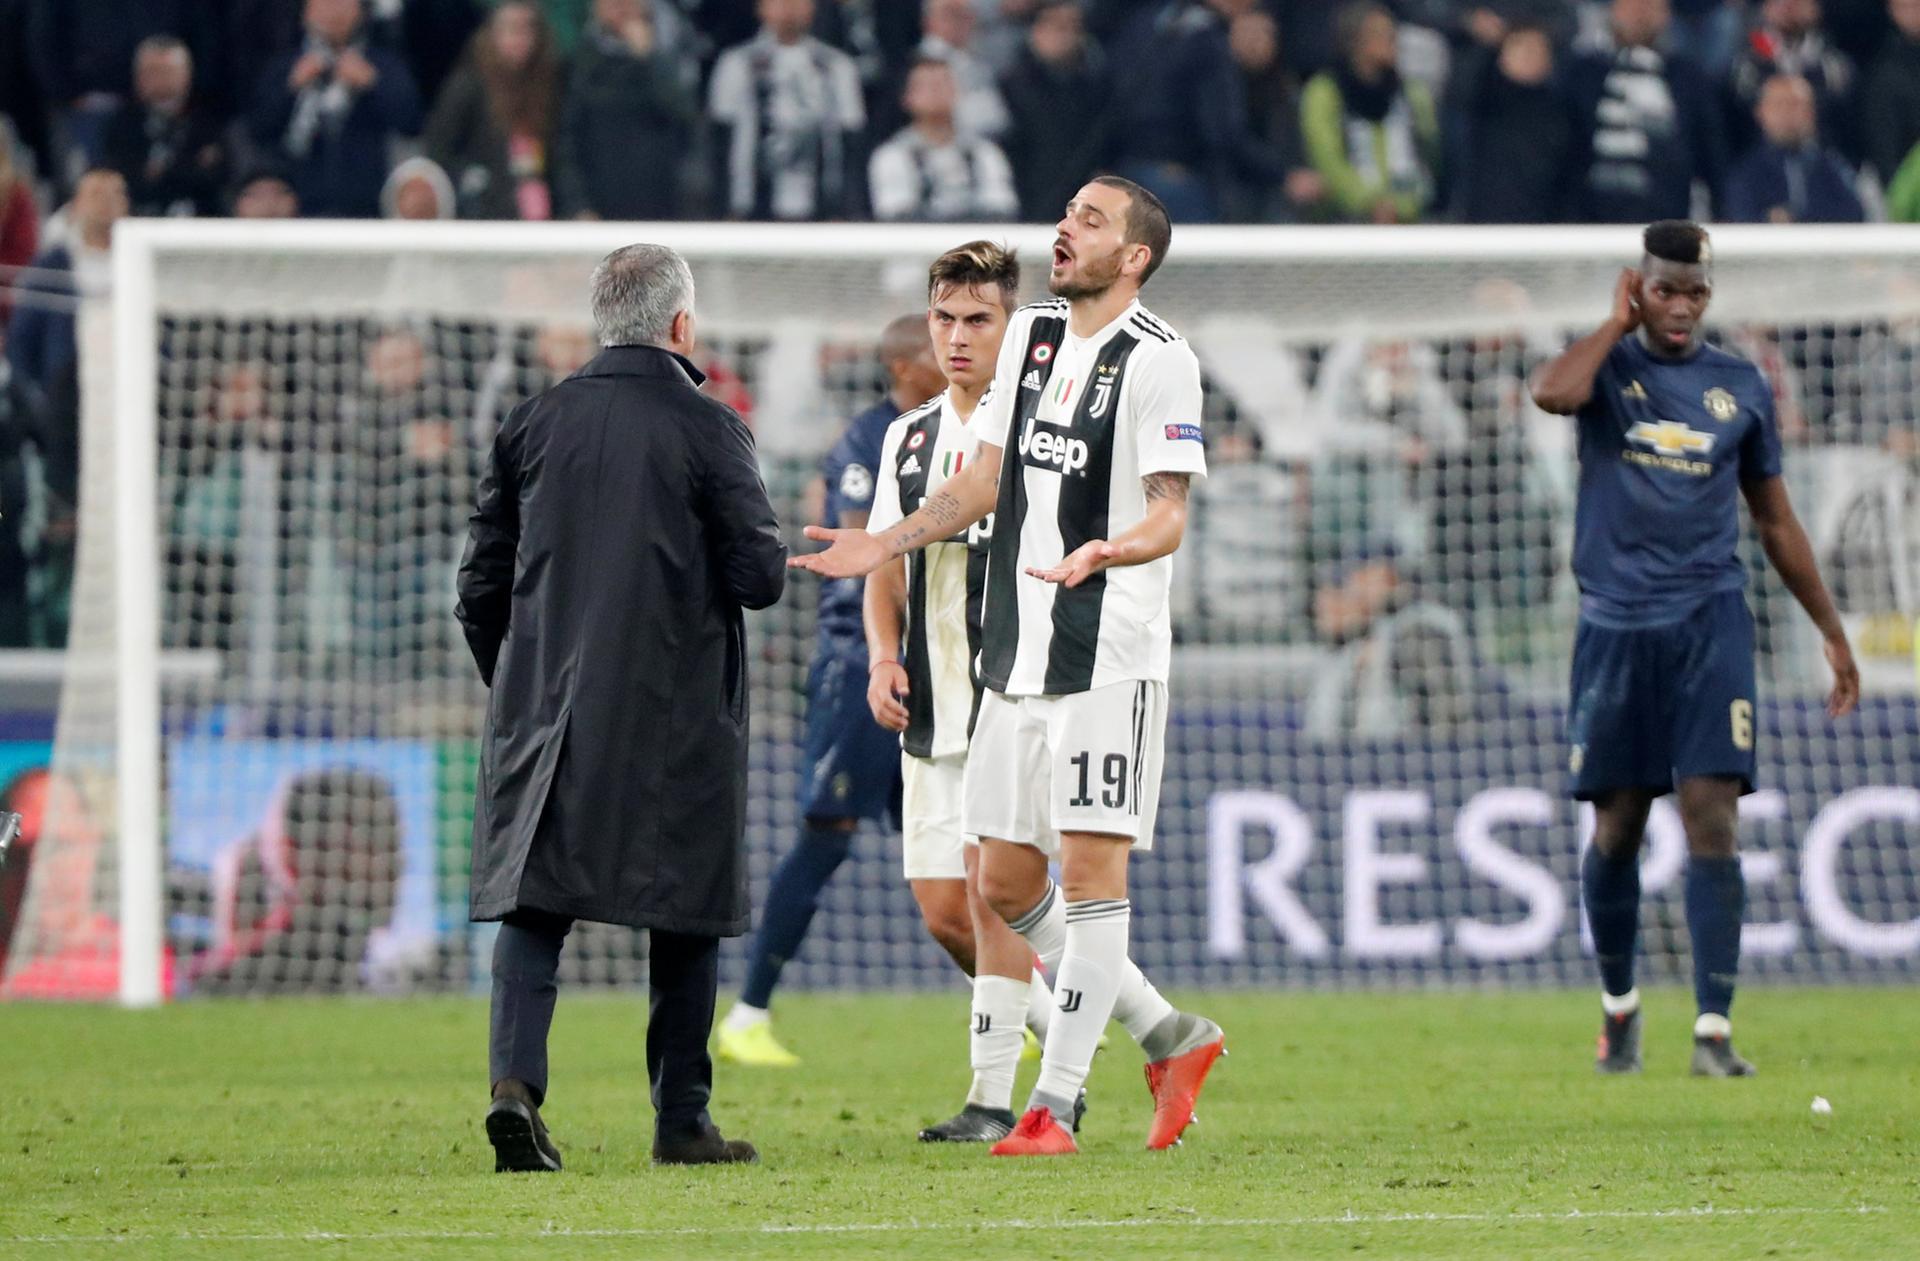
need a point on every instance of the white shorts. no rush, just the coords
(1086, 762)
(932, 845)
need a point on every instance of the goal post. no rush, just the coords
(268, 722)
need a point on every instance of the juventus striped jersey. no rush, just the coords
(1081, 421)
(944, 580)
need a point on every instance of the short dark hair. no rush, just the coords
(1148, 223)
(977, 263)
(1678, 241)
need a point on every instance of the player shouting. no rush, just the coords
(1095, 410)
(1663, 675)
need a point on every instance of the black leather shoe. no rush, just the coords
(519, 1137)
(703, 1147)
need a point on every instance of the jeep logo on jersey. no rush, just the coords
(1051, 447)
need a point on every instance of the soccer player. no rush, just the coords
(923, 632)
(1663, 674)
(852, 763)
(1094, 411)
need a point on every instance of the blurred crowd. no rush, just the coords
(1480, 111)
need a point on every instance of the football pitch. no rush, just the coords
(1383, 1125)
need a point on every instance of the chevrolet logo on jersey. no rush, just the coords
(1047, 446)
(1670, 437)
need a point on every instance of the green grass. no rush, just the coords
(1460, 1125)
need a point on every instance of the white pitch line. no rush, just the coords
(972, 1224)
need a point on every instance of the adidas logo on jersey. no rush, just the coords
(911, 466)
(1031, 381)
(1048, 447)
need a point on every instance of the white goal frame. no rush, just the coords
(140, 245)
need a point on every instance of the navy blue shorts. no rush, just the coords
(1660, 704)
(852, 766)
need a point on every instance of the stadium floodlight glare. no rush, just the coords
(263, 743)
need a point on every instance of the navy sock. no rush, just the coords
(791, 902)
(1610, 889)
(1716, 903)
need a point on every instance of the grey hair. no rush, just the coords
(637, 290)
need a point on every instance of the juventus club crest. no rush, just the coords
(1103, 390)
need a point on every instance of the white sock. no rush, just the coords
(1712, 1025)
(1039, 1006)
(1138, 1005)
(1088, 981)
(993, 1045)
(1620, 1004)
(744, 1017)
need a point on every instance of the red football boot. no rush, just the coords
(1175, 1084)
(1038, 1134)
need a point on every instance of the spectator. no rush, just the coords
(40, 337)
(790, 110)
(1519, 147)
(949, 25)
(334, 107)
(1181, 125)
(493, 127)
(1890, 96)
(83, 52)
(1708, 33)
(1059, 95)
(418, 189)
(1273, 115)
(19, 223)
(1395, 664)
(264, 193)
(626, 96)
(931, 170)
(1787, 39)
(431, 36)
(23, 437)
(1789, 176)
(43, 350)
(1903, 194)
(1650, 122)
(170, 152)
(1373, 139)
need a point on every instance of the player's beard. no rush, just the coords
(1093, 280)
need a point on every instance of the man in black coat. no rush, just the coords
(621, 527)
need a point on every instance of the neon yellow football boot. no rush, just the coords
(755, 1047)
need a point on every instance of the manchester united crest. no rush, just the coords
(1721, 404)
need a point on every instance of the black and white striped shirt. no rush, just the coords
(945, 580)
(1081, 421)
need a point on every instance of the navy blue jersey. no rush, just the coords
(1664, 446)
(849, 470)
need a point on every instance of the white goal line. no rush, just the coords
(1190, 1222)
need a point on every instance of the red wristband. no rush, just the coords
(884, 661)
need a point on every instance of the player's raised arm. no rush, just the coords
(1563, 384)
(1790, 552)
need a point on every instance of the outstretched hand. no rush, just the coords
(1846, 679)
(849, 554)
(1081, 564)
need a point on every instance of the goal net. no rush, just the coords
(263, 774)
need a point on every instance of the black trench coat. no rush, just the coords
(621, 526)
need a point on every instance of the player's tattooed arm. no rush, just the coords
(1167, 486)
(966, 498)
(1157, 534)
